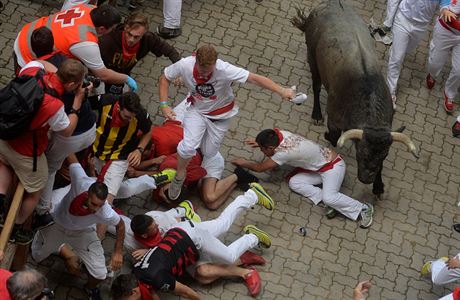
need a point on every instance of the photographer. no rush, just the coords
(61, 146)
(25, 152)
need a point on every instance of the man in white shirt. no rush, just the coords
(211, 104)
(75, 218)
(315, 165)
(409, 27)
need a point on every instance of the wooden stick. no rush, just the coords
(11, 217)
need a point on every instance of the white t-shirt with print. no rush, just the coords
(297, 151)
(80, 183)
(217, 92)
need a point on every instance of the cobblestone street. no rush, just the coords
(414, 217)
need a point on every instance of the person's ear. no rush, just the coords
(136, 291)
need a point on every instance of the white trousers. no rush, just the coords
(442, 43)
(205, 234)
(407, 35)
(303, 184)
(171, 13)
(114, 174)
(392, 7)
(58, 149)
(440, 275)
(201, 132)
(85, 243)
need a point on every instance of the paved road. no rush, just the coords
(413, 219)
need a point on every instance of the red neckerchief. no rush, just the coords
(198, 78)
(456, 293)
(280, 136)
(117, 121)
(129, 52)
(149, 242)
(78, 206)
(145, 291)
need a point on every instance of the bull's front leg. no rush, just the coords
(378, 186)
(316, 79)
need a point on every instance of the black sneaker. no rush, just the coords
(244, 176)
(168, 33)
(42, 221)
(456, 129)
(94, 294)
(456, 227)
(132, 5)
(21, 236)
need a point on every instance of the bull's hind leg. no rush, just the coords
(316, 78)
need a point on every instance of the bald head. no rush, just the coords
(27, 284)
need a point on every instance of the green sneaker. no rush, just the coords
(189, 211)
(263, 198)
(367, 216)
(264, 238)
(165, 176)
(426, 269)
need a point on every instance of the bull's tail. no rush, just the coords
(300, 21)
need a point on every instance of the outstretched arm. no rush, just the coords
(186, 292)
(267, 83)
(267, 164)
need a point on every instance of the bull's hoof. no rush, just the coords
(318, 122)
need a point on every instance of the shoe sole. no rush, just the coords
(190, 210)
(175, 184)
(260, 192)
(262, 236)
(43, 226)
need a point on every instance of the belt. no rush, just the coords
(329, 165)
(451, 26)
(215, 112)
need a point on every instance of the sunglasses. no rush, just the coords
(49, 293)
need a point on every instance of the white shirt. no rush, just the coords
(71, 3)
(296, 151)
(217, 92)
(420, 11)
(80, 183)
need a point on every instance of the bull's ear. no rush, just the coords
(400, 129)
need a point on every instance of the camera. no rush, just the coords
(91, 79)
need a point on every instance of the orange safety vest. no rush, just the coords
(69, 27)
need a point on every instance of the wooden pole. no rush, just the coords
(8, 226)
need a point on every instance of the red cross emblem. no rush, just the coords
(68, 17)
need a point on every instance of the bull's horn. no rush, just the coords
(351, 134)
(402, 138)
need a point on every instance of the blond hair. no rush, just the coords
(206, 55)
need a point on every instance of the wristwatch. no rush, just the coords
(140, 149)
(74, 111)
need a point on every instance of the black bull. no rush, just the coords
(341, 55)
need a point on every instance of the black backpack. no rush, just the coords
(19, 102)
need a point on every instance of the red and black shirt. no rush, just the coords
(161, 266)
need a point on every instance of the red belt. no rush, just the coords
(218, 111)
(326, 167)
(451, 25)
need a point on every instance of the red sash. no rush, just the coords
(149, 242)
(145, 291)
(326, 167)
(78, 206)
